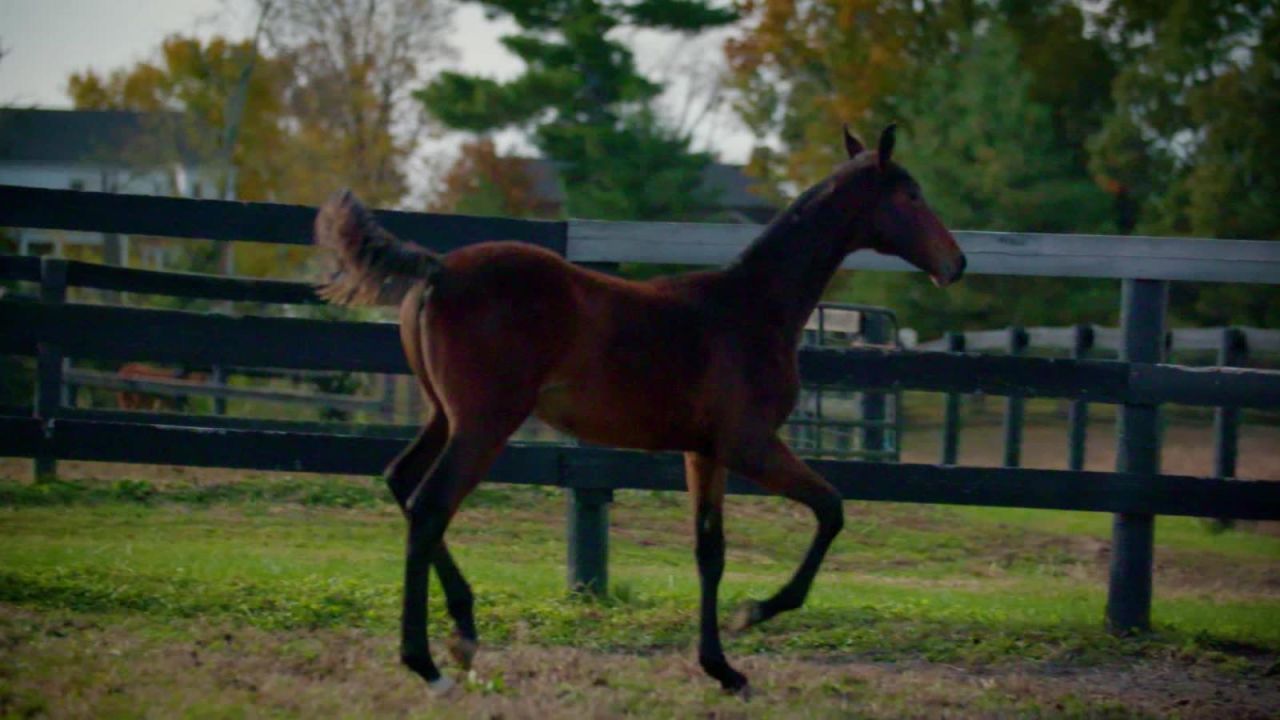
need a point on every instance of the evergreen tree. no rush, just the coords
(989, 158)
(1192, 138)
(585, 104)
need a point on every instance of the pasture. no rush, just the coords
(145, 591)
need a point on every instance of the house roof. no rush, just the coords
(116, 137)
(728, 184)
(732, 187)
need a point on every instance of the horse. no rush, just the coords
(139, 400)
(703, 363)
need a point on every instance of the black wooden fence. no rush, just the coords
(1231, 347)
(50, 329)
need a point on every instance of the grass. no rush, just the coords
(914, 602)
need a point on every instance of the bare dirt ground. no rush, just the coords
(129, 670)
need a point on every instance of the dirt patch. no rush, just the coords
(1186, 448)
(62, 665)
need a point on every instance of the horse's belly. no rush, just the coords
(639, 423)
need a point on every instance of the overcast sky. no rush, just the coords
(47, 40)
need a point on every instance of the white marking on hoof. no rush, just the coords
(441, 685)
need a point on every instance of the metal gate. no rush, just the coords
(841, 423)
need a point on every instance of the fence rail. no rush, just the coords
(116, 333)
(183, 388)
(52, 330)
(587, 241)
(601, 469)
(1259, 340)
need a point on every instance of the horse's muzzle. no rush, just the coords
(957, 271)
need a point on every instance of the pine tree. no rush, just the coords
(585, 104)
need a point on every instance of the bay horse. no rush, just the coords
(703, 363)
(140, 400)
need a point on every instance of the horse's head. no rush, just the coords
(897, 220)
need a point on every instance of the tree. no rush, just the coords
(964, 79)
(1190, 137)
(987, 153)
(198, 79)
(585, 104)
(800, 69)
(989, 158)
(355, 64)
(481, 182)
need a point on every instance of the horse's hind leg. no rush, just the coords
(467, 457)
(780, 471)
(407, 471)
(706, 482)
(458, 598)
(403, 476)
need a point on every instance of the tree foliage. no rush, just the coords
(197, 79)
(584, 103)
(1026, 115)
(482, 182)
(1191, 137)
(354, 65)
(325, 103)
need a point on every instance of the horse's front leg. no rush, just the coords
(706, 482)
(777, 469)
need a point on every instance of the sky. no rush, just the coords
(47, 40)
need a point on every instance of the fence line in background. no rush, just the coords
(590, 241)
(1233, 346)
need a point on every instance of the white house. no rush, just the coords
(105, 151)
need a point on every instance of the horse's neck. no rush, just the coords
(781, 276)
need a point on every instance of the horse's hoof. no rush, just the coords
(462, 650)
(443, 686)
(740, 689)
(748, 613)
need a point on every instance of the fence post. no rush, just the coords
(1233, 350)
(588, 529)
(387, 406)
(1078, 414)
(951, 421)
(1014, 406)
(1143, 307)
(875, 331)
(219, 377)
(49, 366)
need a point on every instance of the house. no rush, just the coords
(104, 151)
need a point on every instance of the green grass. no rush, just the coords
(954, 585)
(279, 597)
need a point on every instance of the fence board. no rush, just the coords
(598, 468)
(1260, 340)
(113, 333)
(177, 387)
(20, 267)
(1101, 256)
(231, 220)
(398, 432)
(121, 334)
(196, 285)
(611, 242)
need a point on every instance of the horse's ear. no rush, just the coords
(886, 144)
(852, 146)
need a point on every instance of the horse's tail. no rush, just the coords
(374, 267)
